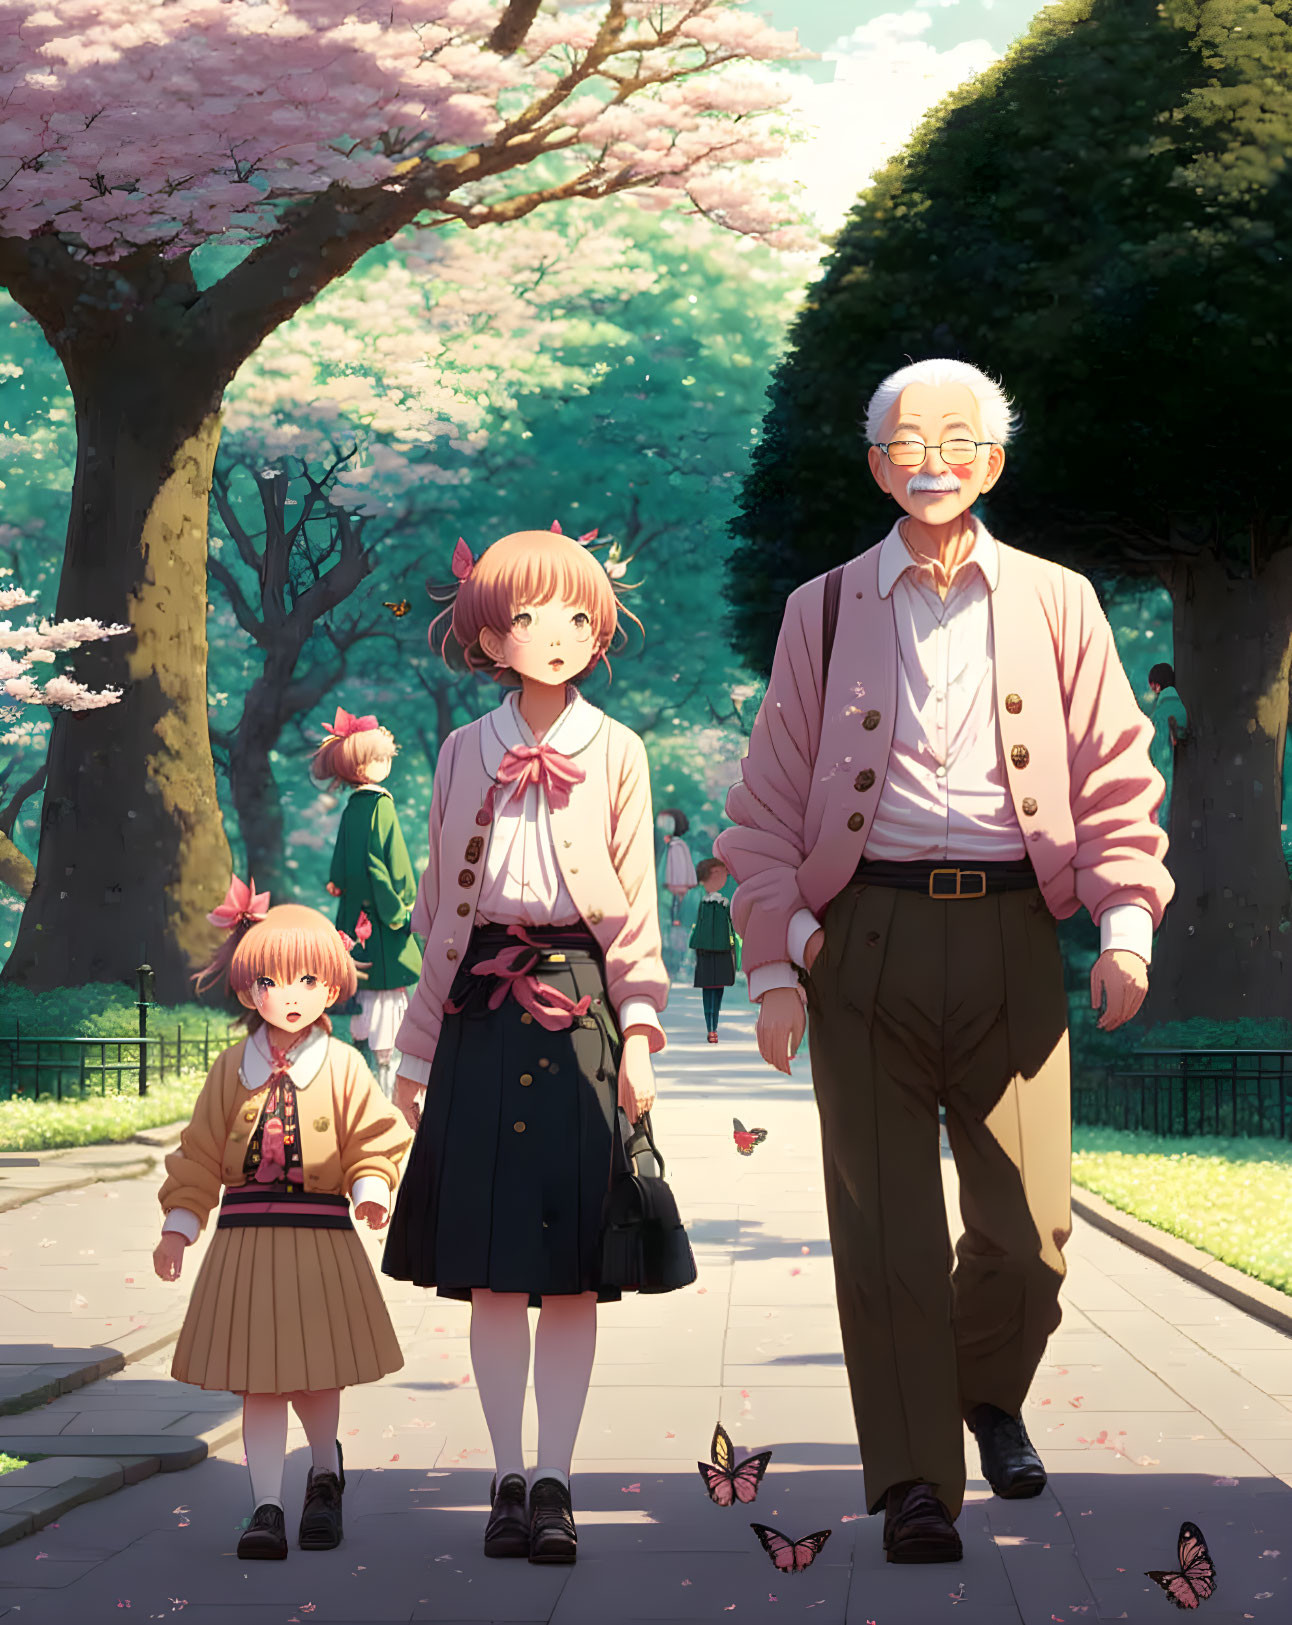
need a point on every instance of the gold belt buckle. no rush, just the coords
(554, 959)
(949, 896)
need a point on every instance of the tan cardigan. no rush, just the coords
(348, 1129)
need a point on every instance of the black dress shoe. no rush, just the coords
(321, 1518)
(552, 1535)
(265, 1537)
(507, 1532)
(1010, 1463)
(918, 1528)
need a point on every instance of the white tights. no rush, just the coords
(564, 1345)
(264, 1436)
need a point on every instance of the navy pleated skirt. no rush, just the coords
(512, 1160)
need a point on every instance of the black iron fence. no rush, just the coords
(1178, 1092)
(38, 1065)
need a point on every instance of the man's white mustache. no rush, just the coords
(934, 482)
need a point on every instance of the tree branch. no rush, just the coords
(242, 611)
(512, 27)
(27, 789)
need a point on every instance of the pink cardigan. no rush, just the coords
(605, 848)
(1075, 747)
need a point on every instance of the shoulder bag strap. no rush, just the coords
(829, 620)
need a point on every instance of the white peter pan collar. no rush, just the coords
(304, 1065)
(504, 729)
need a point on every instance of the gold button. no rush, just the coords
(321, 1125)
(451, 954)
(595, 916)
(856, 821)
(870, 721)
(474, 848)
(543, 1061)
(526, 1078)
(1029, 805)
(249, 1116)
(1013, 704)
(464, 909)
(237, 1135)
(526, 1017)
(1019, 756)
(574, 871)
(864, 779)
(519, 1127)
(466, 878)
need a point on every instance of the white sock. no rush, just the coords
(500, 1363)
(385, 1077)
(320, 1415)
(564, 1346)
(264, 1438)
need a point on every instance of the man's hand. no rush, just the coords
(636, 1076)
(168, 1255)
(1120, 981)
(781, 1024)
(815, 943)
(406, 1093)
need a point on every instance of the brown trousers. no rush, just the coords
(915, 1001)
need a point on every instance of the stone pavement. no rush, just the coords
(1158, 1402)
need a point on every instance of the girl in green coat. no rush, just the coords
(717, 947)
(372, 877)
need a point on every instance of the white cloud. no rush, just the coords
(886, 78)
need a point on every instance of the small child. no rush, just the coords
(717, 948)
(286, 1306)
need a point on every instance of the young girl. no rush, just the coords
(371, 875)
(536, 1014)
(717, 948)
(286, 1305)
(677, 877)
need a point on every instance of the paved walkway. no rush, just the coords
(1157, 1403)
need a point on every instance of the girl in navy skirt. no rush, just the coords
(536, 1014)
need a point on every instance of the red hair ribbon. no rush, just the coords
(242, 905)
(463, 562)
(542, 765)
(345, 724)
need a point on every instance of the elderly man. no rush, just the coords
(916, 810)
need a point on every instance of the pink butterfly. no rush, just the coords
(746, 1138)
(363, 928)
(791, 1556)
(1194, 1581)
(726, 1482)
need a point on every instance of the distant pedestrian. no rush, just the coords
(676, 877)
(717, 948)
(1170, 724)
(286, 1306)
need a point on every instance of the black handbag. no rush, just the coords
(644, 1247)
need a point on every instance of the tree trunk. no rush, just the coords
(16, 868)
(252, 786)
(132, 849)
(1225, 949)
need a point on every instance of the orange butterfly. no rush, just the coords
(401, 608)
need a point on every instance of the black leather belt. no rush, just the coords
(949, 881)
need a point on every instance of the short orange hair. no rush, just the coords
(531, 567)
(290, 941)
(340, 757)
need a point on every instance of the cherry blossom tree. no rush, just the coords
(146, 148)
(21, 649)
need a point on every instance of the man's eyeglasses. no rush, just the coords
(910, 453)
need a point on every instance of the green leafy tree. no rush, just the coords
(1103, 220)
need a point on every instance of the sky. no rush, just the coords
(880, 71)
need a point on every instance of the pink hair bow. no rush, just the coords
(242, 905)
(543, 765)
(588, 535)
(463, 563)
(345, 724)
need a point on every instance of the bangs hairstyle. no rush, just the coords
(340, 757)
(531, 567)
(288, 942)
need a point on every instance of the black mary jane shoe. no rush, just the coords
(507, 1532)
(552, 1535)
(1010, 1463)
(265, 1537)
(321, 1526)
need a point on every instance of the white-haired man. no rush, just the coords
(949, 758)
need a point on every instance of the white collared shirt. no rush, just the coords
(304, 1063)
(946, 790)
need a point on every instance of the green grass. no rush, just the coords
(51, 1125)
(9, 1463)
(1231, 1198)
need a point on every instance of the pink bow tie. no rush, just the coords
(542, 765)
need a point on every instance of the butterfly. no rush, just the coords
(746, 1138)
(791, 1556)
(725, 1483)
(401, 608)
(1194, 1581)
